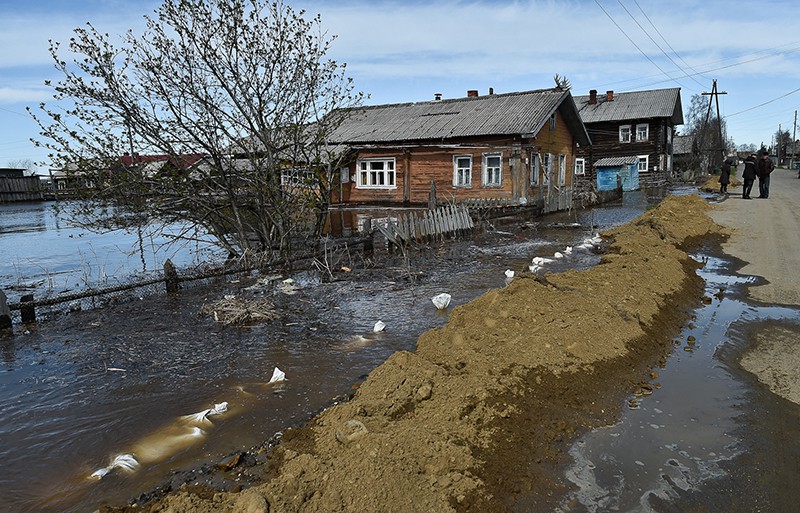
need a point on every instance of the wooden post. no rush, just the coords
(369, 244)
(171, 277)
(5, 312)
(27, 309)
(432, 196)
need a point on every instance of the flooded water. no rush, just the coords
(42, 253)
(683, 440)
(95, 385)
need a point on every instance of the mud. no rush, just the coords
(480, 416)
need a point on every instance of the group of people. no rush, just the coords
(754, 167)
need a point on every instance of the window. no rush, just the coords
(642, 132)
(625, 133)
(492, 169)
(535, 169)
(299, 177)
(547, 167)
(580, 166)
(562, 169)
(462, 170)
(376, 174)
(553, 122)
(643, 163)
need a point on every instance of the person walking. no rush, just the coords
(765, 167)
(749, 175)
(725, 176)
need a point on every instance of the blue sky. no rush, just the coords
(407, 51)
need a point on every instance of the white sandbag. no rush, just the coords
(379, 326)
(558, 254)
(441, 301)
(509, 273)
(124, 462)
(277, 375)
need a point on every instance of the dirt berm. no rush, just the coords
(479, 417)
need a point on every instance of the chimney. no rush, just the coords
(437, 97)
(593, 97)
(610, 96)
(472, 93)
(491, 90)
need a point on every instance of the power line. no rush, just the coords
(762, 104)
(655, 43)
(667, 43)
(634, 44)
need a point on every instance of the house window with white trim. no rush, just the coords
(547, 168)
(624, 133)
(580, 166)
(376, 173)
(643, 163)
(535, 169)
(562, 169)
(642, 132)
(299, 177)
(462, 170)
(492, 169)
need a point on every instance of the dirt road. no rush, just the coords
(765, 235)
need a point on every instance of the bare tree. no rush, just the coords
(244, 83)
(26, 164)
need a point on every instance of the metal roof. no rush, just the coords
(658, 103)
(616, 161)
(494, 114)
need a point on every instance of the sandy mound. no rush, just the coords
(478, 418)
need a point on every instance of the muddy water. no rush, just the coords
(117, 380)
(694, 445)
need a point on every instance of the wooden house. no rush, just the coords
(637, 124)
(514, 148)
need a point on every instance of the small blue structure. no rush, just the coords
(612, 170)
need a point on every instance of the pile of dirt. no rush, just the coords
(479, 417)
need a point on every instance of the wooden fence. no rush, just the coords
(20, 188)
(433, 225)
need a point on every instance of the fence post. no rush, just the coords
(5, 312)
(368, 241)
(171, 277)
(27, 309)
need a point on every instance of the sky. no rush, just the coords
(408, 51)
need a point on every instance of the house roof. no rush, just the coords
(658, 103)
(616, 161)
(495, 114)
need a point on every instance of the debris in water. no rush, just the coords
(238, 311)
(441, 301)
(509, 273)
(124, 462)
(379, 326)
(277, 375)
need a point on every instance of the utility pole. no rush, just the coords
(794, 138)
(715, 95)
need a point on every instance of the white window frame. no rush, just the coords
(373, 178)
(297, 177)
(535, 168)
(462, 176)
(644, 159)
(625, 133)
(580, 166)
(492, 176)
(562, 169)
(642, 127)
(547, 168)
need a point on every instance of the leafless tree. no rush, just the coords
(244, 83)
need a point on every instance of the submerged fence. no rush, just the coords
(432, 225)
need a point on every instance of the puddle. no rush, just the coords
(687, 435)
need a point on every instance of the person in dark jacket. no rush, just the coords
(725, 176)
(749, 175)
(764, 169)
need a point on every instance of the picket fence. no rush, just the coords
(433, 225)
